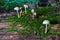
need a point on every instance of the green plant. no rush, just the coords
(45, 10)
(34, 26)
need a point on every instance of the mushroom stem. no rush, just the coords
(18, 14)
(25, 10)
(46, 29)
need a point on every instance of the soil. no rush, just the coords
(15, 35)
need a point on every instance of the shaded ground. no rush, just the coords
(5, 25)
(15, 35)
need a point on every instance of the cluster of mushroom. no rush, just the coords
(46, 22)
(33, 13)
(17, 9)
(25, 6)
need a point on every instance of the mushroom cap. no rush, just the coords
(16, 8)
(20, 7)
(26, 6)
(32, 10)
(34, 13)
(46, 22)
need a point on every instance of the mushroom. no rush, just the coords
(17, 9)
(25, 6)
(32, 10)
(46, 22)
(20, 11)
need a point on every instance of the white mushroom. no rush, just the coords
(32, 10)
(25, 6)
(20, 11)
(17, 9)
(46, 22)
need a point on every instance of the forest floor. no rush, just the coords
(15, 35)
